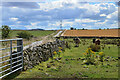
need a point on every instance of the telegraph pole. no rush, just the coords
(61, 24)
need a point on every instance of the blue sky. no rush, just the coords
(47, 15)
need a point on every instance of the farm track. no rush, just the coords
(44, 39)
(92, 33)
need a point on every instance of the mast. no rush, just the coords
(61, 24)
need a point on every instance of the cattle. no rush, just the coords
(76, 41)
(97, 42)
(94, 40)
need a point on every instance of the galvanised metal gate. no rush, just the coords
(11, 60)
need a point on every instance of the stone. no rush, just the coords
(118, 57)
(51, 61)
(108, 57)
(108, 47)
(80, 73)
(78, 59)
(53, 64)
(48, 65)
(106, 60)
(117, 66)
(40, 69)
(72, 59)
(82, 59)
(59, 58)
(56, 59)
(46, 74)
(34, 56)
(106, 71)
(108, 64)
(66, 59)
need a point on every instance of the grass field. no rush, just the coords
(13, 33)
(37, 35)
(70, 66)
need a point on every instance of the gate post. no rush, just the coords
(11, 55)
(20, 49)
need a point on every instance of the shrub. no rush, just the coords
(24, 35)
(89, 56)
(99, 28)
(5, 31)
(101, 54)
(71, 28)
(83, 29)
(95, 48)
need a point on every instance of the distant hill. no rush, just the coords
(36, 29)
(28, 30)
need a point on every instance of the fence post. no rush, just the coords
(11, 55)
(20, 49)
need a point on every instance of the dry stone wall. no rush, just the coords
(35, 55)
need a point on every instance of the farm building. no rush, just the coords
(109, 33)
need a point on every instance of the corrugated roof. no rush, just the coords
(92, 33)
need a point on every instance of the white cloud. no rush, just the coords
(56, 4)
(19, 22)
(113, 15)
(102, 14)
(33, 24)
(101, 23)
(90, 14)
(64, 23)
(88, 27)
(54, 24)
(83, 24)
(33, 27)
(85, 20)
(14, 7)
(50, 5)
(13, 19)
(109, 16)
(91, 9)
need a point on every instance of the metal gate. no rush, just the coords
(11, 60)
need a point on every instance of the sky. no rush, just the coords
(49, 14)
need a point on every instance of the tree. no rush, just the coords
(71, 28)
(5, 31)
(25, 35)
(83, 29)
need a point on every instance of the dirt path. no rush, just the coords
(45, 39)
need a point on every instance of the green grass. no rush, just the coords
(75, 68)
(13, 33)
(37, 35)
